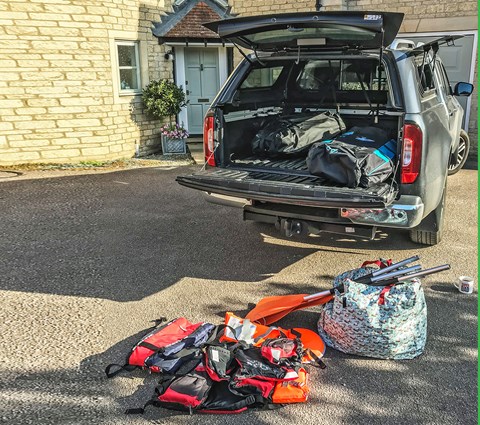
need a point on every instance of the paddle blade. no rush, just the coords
(275, 316)
(273, 305)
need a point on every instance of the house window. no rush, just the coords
(128, 67)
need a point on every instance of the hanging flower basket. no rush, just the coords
(174, 139)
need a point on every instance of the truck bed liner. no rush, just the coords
(297, 165)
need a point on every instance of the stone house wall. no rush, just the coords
(58, 98)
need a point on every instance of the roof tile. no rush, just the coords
(191, 25)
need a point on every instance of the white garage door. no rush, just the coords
(457, 59)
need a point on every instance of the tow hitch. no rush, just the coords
(292, 227)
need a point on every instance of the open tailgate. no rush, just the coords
(310, 30)
(295, 189)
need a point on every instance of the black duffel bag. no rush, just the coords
(351, 165)
(291, 136)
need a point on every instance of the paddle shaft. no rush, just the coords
(395, 266)
(421, 273)
(406, 270)
(378, 274)
(391, 281)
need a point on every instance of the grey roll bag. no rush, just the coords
(294, 135)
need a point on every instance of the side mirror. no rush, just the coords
(463, 89)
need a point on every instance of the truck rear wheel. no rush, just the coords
(461, 154)
(430, 231)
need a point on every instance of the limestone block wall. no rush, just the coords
(59, 99)
(264, 7)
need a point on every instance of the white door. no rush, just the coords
(202, 82)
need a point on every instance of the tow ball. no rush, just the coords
(292, 228)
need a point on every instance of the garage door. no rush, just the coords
(457, 60)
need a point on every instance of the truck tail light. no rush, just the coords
(208, 140)
(411, 153)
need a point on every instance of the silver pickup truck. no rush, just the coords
(348, 63)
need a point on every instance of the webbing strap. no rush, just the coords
(125, 367)
(381, 297)
(296, 333)
(215, 336)
(268, 332)
(317, 359)
(159, 321)
(140, 410)
(150, 346)
(379, 263)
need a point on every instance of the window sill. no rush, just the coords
(130, 93)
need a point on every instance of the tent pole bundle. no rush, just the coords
(271, 309)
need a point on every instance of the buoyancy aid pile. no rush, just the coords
(377, 310)
(227, 368)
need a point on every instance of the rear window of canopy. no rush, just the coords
(295, 34)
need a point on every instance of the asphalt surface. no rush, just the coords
(87, 261)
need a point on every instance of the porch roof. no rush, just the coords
(185, 22)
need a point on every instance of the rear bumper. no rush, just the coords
(229, 201)
(405, 213)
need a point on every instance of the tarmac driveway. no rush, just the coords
(87, 261)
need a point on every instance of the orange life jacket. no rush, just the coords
(239, 329)
(295, 391)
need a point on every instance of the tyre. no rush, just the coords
(430, 230)
(462, 154)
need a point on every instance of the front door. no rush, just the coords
(201, 84)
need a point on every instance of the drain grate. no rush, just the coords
(9, 174)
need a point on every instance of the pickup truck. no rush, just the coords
(351, 64)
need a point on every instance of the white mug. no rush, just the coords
(465, 284)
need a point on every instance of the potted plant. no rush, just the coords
(162, 99)
(174, 138)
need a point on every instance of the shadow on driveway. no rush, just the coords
(126, 235)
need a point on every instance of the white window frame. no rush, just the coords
(137, 68)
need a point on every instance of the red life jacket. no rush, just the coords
(166, 348)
